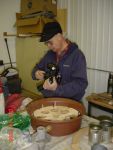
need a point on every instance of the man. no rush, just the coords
(70, 61)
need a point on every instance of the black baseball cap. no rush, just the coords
(49, 30)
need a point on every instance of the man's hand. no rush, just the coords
(50, 86)
(39, 74)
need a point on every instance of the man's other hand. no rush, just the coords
(39, 74)
(50, 86)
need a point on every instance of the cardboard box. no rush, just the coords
(62, 18)
(33, 6)
(31, 25)
(35, 24)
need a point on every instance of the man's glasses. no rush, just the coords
(48, 43)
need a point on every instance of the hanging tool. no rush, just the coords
(8, 52)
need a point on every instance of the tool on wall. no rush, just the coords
(8, 52)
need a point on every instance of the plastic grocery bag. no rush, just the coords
(17, 120)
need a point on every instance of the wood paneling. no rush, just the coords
(28, 53)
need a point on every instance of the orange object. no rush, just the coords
(58, 128)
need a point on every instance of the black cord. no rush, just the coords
(99, 70)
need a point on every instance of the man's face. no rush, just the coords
(55, 43)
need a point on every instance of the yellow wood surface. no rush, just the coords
(28, 52)
(77, 137)
(62, 18)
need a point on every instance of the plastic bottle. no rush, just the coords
(110, 84)
(2, 101)
(2, 68)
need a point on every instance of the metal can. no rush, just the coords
(106, 130)
(95, 134)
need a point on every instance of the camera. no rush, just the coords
(52, 71)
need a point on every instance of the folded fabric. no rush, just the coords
(13, 102)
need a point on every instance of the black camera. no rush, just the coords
(52, 71)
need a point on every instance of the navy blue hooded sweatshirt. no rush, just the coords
(72, 68)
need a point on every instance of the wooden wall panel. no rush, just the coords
(28, 53)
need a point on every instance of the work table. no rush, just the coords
(71, 142)
(102, 101)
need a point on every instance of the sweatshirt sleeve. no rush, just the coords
(39, 66)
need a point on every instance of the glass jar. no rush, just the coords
(106, 130)
(95, 134)
(110, 84)
(9, 137)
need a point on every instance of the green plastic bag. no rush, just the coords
(17, 120)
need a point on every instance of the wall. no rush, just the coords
(7, 21)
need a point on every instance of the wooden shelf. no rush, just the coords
(101, 101)
(27, 93)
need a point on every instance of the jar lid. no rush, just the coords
(98, 147)
(106, 123)
(95, 126)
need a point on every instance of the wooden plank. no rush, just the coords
(99, 101)
(28, 52)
